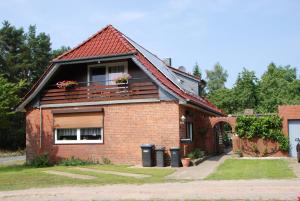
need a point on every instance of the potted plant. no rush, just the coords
(123, 79)
(67, 84)
(185, 160)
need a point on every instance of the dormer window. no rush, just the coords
(105, 74)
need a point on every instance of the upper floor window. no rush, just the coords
(105, 74)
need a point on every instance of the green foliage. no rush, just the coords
(278, 85)
(216, 78)
(41, 161)
(8, 98)
(23, 58)
(223, 99)
(61, 50)
(74, 162)
(197, 153)
(245, 91)
(196, 70)
(266, 127)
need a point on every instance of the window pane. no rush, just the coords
(90, 134)
(114, 73)
(98, 75)
(66, 134)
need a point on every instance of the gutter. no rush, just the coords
(203, 108)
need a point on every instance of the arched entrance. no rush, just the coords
(223, 132)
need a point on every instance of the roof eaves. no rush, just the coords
(95, 57)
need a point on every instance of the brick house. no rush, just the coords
(101, 117)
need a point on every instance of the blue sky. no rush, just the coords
(236, 33)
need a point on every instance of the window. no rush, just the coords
(114, 72)
(189, 130)
(105, 74)
(98, 75)
(78, 135)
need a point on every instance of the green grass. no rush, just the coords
(252, 169)
(23, 177)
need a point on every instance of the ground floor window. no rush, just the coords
(188, 137)
(189, 130)
(78, 135)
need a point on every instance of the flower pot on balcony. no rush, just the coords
(185, 162)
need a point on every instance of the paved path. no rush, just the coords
(71, 175)
(231, 190)
(124, 174)
(201, 171)
(12, 159)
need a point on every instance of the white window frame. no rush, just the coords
(189, 131)
(78, 141)
(106, 66)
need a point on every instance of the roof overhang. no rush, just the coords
(95, 58)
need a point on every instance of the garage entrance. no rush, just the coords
(294, 132)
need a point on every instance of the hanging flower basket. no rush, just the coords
(123, 79)
(67, 84)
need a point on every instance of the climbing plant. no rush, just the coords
(265, 127)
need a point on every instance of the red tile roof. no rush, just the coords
(108, 42)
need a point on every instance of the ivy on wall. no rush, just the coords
(265, 127)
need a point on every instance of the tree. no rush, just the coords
(278, 85)
(196, 70)
(223, 98)
(24, 56)
(216, 78)
(8, 98)
(61, 50)
(245, 91)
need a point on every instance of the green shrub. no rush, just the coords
(106, 161)
(41, 161)
(197, 153)
(266, 127)
(74, 162)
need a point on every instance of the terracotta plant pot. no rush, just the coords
(185, 162)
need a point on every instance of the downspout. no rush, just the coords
(41, 126)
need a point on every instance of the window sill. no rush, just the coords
(78, 142)
(186, 141)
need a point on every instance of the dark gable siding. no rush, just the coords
(77, 72)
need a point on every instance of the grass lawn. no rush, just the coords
(22, 177)
(252, 169)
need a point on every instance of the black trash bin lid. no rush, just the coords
(147, 145)
(174, 148)
(160, 148)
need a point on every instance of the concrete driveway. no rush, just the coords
(12, 160)
(231, 190)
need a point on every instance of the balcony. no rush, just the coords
(91, 92)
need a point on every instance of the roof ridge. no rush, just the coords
(116, 31)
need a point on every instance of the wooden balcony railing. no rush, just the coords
(138, 90)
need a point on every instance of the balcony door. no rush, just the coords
(106, 74)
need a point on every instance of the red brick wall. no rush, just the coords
(288, 112)
(126, 127)
(202, 136)
(257, 147)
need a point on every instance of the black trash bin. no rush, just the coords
(147, 155)
(175, 157)
(160, 156)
